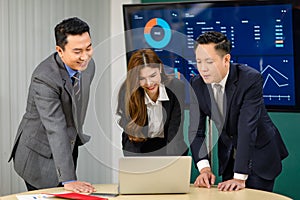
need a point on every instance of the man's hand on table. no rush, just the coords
(232, 185)
(205, 179)
(79, 186)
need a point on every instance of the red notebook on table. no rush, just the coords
(77, 196)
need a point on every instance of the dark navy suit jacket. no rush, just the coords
(246, 127)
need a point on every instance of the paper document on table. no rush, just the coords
(33, 196)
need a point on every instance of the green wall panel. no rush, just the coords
(289, 126)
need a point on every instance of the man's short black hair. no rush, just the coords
(70, 26)
(221, 41)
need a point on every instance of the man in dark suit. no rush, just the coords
(250, 148)
(46, 145)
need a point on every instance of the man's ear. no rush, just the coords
(59, 51)
(227, 58)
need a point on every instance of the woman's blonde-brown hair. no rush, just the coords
(135, 108)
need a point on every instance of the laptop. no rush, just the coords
(154, 175)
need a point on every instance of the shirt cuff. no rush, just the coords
(65, 182)
(240, 176)
(202, 164)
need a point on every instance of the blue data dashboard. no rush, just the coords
(263, 35)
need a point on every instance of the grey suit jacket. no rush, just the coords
(46, 136)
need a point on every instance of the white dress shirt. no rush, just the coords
(155, 113)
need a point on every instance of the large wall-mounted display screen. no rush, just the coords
(263, 35)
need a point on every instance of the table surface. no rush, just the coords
(195, 193)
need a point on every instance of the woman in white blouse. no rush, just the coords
(150, 107)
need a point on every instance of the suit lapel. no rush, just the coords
(65, 76)
(203, 93)
(166, 105)
(230, 88)
(208, 95)
(69, 88)
(84, 92)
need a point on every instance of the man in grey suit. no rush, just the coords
(46, 145)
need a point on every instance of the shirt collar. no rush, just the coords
(222, 82)
(71, 71)
(162, 96)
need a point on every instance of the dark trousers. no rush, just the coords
(74, 155)
(30, 187)
(253, 181)
(256, 182)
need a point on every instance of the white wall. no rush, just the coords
(26, 38)
(118, 74)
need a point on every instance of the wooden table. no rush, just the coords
(195, 193)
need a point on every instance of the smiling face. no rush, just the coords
(149, 79)
(211, 64)
(77, 52)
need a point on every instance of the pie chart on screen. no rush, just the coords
(157, 33)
